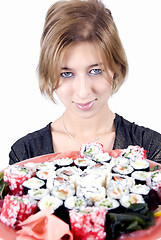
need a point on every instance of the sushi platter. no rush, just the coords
(92, 185)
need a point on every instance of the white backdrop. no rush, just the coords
(24, 110)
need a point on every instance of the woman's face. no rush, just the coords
(84, 88)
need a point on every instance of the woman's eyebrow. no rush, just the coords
(90, 66)
(66, 68)
(95, 65)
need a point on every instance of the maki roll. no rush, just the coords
(64, 162)
(46, 166)
(134, 152)
(104, 167)
(33, 183)
(75, 202)
(131, 198)
(154, 181)
(120, 161)
(15, 175)
(16, 209)
(45, 174)
(102, 157)
(111, 205)
(143, 190)
(38, 194)
(156, 177)
(63, 191)
(31, 165)
(54, 182)
(88, 223)
(50, 201)
(140, 189)
(91, 149)
(90, 177)
(140, 177)
(121, 179)
(91, 194)
(68, 172)
(123, 169)
(82, 163)
(116, 190)
(140, 165)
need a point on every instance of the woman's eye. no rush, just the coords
(67, 74)
(95, 71)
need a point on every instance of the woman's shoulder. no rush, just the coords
(31, 145)
(130, 133)
(36, 135)
(124, 124)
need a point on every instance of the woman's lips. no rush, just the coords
(85, 106)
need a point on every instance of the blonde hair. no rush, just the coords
(69, 22)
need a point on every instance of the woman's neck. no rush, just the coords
(85, 130)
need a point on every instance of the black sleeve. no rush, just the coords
(18, 152)
(149, 139)
(32, 145)
(129, 133)
(154, 148)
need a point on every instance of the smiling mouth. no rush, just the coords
(85, 106)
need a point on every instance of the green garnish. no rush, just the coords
(78, 203)
(127, 154)
(156, 167)
(3, 186)
(136, 217)
(18, 199)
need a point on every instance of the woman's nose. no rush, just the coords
(83, 85)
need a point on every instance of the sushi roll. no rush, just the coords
(156, 177)
(140, 165)
(91, 149)
(50, 201)
(83, 163)
(88, 223)
(68, 172)
(143, 190)
(123, 169)
(46, 166)
(111, 205)
(154, 181)
(75, 202)
(16, 209)
(64, 162)
(45, 174)
(131, 198)
(140, 177)
(116, 190)
(63, 191)
(134, 152)
(121, 179)
(102, 157)
(15, 175)
(91, 194)
(31, 165)
(38, 194)
(104, 167)
(90, 177)
(120, 161)
(54, 182)
(33, 183)
(140, 189)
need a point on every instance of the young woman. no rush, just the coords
(83, 61)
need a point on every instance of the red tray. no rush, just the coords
(152, 233)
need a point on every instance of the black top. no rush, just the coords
(127, 133)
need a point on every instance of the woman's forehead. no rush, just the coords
(84, 53)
